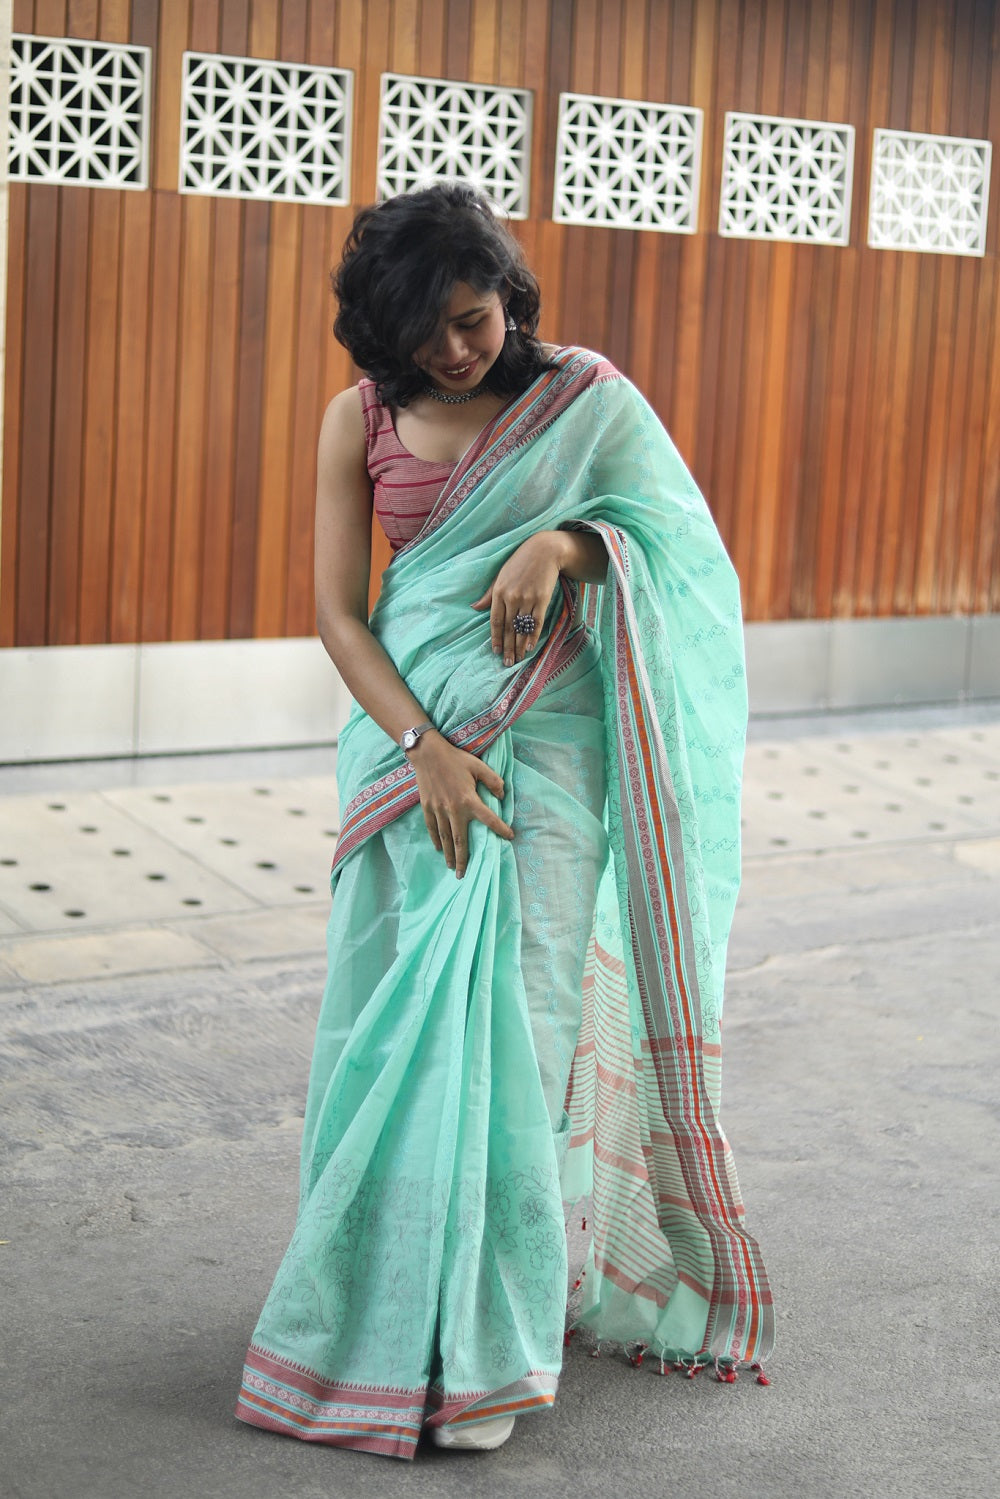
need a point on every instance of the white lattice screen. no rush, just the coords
(78, 112)
(627, 163)
(274, 130)
(786, 179)
(432, 130)
(929, 192)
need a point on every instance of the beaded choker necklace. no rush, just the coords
(457, 400)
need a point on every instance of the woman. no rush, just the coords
(535, 875)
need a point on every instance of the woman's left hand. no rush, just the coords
(524, 585)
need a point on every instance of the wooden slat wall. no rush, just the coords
(169, 357)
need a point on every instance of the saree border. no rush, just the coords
(740, 1316)
(280, 1395)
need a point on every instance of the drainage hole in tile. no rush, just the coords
(775, 796)
(230, 842)
(88, 829)
(156, 876)
(191, 900)
(844, 749)
(296, 811)
(57, 806)
(266, 864)
(8, 863)
(992, 775)
(967, 800)
(329, 832)
(74, 913)
(779, 842)
(977, 734)
(262, 791)
(912, 743)
(924, 781)
(853, 790)
(771, 754)
(882, 765)
(811, 770)
(194, 819)
(817, 814)
(305, 890)
(950, 759)
(859, 833)
(893, 807)
(122, 853)
(937, 827)
(40, 886)
(162, 797)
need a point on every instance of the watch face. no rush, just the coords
(410, 738)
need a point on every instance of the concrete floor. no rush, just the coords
(157, 998)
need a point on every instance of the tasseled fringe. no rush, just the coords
(727, 1370)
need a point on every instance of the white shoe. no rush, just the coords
(473, 1436)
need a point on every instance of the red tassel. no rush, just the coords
(583, 1223)
(763, 1379)
(731, 1376)
(578, 1283)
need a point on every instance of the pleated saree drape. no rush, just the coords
(546, 1029)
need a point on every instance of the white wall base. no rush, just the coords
(88, 702)
(109, 701)
(799, 666)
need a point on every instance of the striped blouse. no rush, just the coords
(406, 488)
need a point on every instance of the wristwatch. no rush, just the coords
(409, 737)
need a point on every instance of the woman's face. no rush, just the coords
(468, 341)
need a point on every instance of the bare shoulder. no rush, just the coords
(342, 439)
(343, 418)
(342, 478)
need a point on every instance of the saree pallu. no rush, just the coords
(546, 1029)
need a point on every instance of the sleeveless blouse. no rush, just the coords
(405, 488)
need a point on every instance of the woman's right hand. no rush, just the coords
(448, 781)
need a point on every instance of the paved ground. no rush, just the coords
(160, 965)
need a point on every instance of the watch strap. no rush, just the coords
(413, 735)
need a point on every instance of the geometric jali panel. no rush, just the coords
(929, 192)
(432, 130)
(274, 130)
(627, 163)
(786, 179)
(79, 112)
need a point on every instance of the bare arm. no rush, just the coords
(447, 778)
(343, 565)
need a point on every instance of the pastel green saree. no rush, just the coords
(546, 1030)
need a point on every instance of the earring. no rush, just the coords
(510, 324)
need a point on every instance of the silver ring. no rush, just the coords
(524, 624)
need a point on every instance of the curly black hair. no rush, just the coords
(401, 262)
